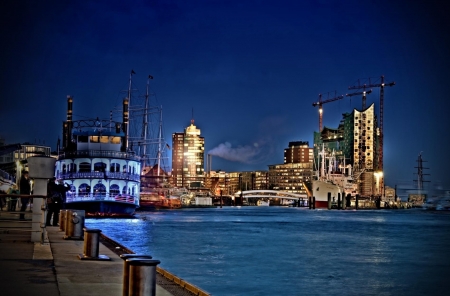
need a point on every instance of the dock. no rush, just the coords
(54, 268)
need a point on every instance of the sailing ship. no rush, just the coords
(336, 182)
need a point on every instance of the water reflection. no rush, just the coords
(289, 251)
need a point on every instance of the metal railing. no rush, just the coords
(99, 175)
(99, 153)
(125, 198)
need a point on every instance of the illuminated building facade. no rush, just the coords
(188, 158)
(354, 142)
(296, 170)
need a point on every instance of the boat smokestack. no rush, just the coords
(209, 163)
(69, 108)
(67, 125)
(125, 125)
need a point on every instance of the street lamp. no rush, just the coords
(378, 176)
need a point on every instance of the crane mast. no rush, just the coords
(320, 103)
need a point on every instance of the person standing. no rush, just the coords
(55, 200)
(25, 189)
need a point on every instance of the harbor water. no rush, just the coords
(294, 251)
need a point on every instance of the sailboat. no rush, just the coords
(148, 141)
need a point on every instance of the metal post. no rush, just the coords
(356, 201)
(314, 202)
(62, 220)
(329, 200)
(126, 270)
(74, 224)
(339, 201)
(142, 279)
(91, 245)
(309, 202)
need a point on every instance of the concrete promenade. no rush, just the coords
(28, 268)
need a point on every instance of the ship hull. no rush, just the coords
(107, 209)
(320, 191)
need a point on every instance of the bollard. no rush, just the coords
(91, 246)
(329, 200)
(356, 201)
(126, 270)
(142, 276)
(339, 201)
(74, 224)
(62, 220)
(309, 202)
(314, 202)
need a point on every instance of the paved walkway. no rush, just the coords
(54, 269)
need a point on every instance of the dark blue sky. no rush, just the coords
(250, 70)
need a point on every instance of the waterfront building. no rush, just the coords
(354, 142)
(298, 152)
(290, 177)
(12, 162)
(218, 182)
(188, 158)
(296, 170)
(253, 180)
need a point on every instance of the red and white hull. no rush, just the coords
(321, 189)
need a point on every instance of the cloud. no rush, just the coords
(248, 154)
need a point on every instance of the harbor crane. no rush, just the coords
(381, 85)
(320, 103)
(364, 93)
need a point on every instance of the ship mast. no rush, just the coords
(159, 141)
(129, 104)
(145, 123)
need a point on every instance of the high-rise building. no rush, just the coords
(188, 158)
(298, 152)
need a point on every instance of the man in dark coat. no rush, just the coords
(55, 199)
(25, 188)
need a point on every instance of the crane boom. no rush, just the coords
(320, 103)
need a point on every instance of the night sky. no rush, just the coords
(249, 70)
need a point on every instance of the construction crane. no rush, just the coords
(320, 103)
(364, 93)
(381, 85)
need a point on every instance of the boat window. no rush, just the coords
(99, 190)
(99, 167)
(84, 189)
(85, 167)
(115, 167)
(64, 168)
(94, 139)
(82, 139)
(114, 140)
(104, 139)
(125, 190)
(114, 190)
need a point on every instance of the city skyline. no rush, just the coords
(249, 70)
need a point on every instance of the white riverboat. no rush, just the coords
(104, 175)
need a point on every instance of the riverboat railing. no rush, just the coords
(7, 177)
(125, 198)
(99, 175)
(99, 153)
